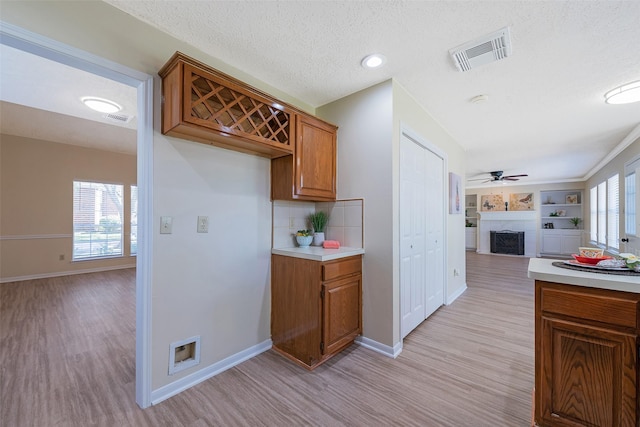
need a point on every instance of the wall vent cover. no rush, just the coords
(122, 118)
(490, 48)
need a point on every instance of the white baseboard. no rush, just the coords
(383, 349)
(182, 384)
(64, 273)
(451, 298)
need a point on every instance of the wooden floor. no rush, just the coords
(67, 359)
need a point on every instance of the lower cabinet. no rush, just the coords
(470, 236)
(316, 307)
(561, 241)
(586, 366)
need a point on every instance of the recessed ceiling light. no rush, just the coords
(625, 94)
(373, 61)
(100, 104)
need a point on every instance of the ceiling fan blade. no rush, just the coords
(515, 176)
(509, 178)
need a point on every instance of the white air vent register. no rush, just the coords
(490, 48)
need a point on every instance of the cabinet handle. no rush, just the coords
(624, 240)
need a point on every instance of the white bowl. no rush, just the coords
(304, 241)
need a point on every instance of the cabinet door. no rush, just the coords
(587, 376)
(315, 159)
(551, 243)
(570, 244)
(342, 313)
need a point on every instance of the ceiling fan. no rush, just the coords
(496, 176)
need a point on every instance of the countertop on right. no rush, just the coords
(543, 269)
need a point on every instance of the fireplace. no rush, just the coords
(507, 242)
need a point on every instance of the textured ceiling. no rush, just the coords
(545, 115)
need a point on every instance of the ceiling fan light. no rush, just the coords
(101, 105)
(625, 94)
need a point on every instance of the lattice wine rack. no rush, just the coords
(237, 112)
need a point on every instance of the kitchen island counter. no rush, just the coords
(543, 269)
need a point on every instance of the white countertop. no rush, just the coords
(317, 253)
(542, 269)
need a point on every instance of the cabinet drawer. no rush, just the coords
(343, 267)
(591, 306)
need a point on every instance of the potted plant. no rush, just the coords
(304, 237)
(575, 221)
(318, 221)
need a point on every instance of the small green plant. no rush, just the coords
(575, 221)
(318, 221)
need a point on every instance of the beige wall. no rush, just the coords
(36, 204)
(368, 166)
(365, 153)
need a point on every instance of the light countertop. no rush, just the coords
(542, 269)
(317, 253)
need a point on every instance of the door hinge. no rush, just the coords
(322, 346)
(322, 293)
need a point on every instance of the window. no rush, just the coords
(594, 212)
(97, 220)
(605, 213)
(134, 220)
(630, 203)
(602, 213)
(613, 213)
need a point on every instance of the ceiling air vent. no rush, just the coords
(122, 118)
(490, 48)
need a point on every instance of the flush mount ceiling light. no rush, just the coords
(625, 94)
(373, 61)
(101, 105)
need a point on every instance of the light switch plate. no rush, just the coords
(166, 224)
(203, 224)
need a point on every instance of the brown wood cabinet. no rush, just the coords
(316, 307)
(586, 368)
(310, 173)
(202, 104)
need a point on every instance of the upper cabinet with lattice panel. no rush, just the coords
(205, 105)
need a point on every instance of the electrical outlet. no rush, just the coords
(291, 223)
(61, 257)
(166, 224)
(203, 224)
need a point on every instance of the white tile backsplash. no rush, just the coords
(345, 221)
(353, 216)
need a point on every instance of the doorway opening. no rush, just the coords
(35, 44)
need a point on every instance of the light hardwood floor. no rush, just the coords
(67, 359)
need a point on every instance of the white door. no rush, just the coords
(422, 205)
(412, 235)
(436, 201)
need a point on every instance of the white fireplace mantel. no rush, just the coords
(508, 216)
(507, 220)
